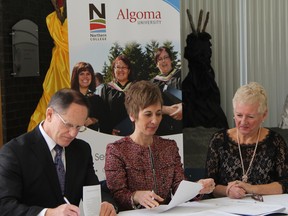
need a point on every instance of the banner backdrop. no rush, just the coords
(100, 29)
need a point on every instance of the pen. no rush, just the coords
(152, 196)
(66, 200)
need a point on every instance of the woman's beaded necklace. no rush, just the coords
(245, 174)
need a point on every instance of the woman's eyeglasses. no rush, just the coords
(121, 68)
(163, 59)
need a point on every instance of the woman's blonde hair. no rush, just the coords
(250, 94)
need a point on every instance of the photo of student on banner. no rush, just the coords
(83, 80)
(113, 94)
(169, 82)
(99, 81)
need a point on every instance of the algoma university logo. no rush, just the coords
(97, 23)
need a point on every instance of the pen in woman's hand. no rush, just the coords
(66, 200)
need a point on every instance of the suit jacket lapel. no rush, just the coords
(71, 171)
(42, 152)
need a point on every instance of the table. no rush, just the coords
(223, 206)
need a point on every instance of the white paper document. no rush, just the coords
(245, 206)
(186, 191)
(252, 209)
(237, 207)
(221, 207)
(91, 200)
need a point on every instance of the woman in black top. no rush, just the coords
(113, 94)
(83, 80)
(249, 158)
(169, 82)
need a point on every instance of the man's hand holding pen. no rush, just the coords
(106, 209)
(148, 199)
(65, 209)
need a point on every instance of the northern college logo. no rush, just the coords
(97, 23)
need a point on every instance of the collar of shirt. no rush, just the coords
(51, 144)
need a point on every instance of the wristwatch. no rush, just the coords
(133, 204)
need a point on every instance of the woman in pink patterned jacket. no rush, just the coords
(143, 170)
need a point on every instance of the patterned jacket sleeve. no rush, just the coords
(116, 177)
(178, 171)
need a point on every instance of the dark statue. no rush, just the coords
(201, 95)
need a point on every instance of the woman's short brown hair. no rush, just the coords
(140, 95)
(159, 51)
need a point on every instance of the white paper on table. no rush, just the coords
(91, 200)
(252, 209)
(186, 191)
(245, 206)
(222, 207)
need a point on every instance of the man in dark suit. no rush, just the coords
(29, 183)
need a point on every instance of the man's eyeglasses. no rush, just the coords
(69, 126)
